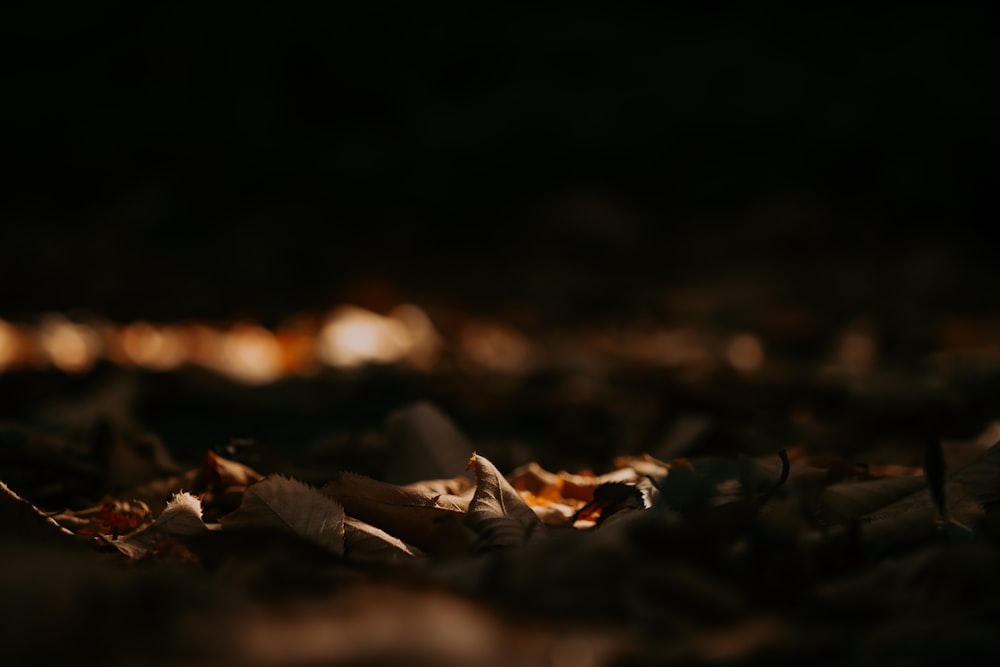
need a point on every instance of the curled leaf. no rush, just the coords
(364, 542)
(289, 506)
(431, 522)
(497, 513)
(181, 518)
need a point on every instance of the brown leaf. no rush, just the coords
(497, 513)
(289, 506)
(364, 542)
(224, 472)
(181, 518)
(431, 522)
(847, 501)
(111, 518)
(981, 478)
(458, 487)
(967, 491)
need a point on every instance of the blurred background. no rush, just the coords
(707, 192)
(542, 164)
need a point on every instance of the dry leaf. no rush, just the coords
(915, 516)
(289, 506)
(981, 478)
(497, 513)
(364, 542)
(224, 472)
(430, 522)
(111, 518)
(181, 518)
(459, 487)
(847, 501)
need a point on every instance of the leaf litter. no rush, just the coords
(704, 560)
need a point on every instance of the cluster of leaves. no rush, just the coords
(677, 559)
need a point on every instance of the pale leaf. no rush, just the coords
(431, 522)
(289, 506)
(181, 518)
(497, 513)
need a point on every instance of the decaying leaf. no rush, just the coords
(289, 506)
(111, 518)
(497, 513)
(430, 522)
(181, 518)
(364, 542)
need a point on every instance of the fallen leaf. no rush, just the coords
(497, 513)
(458, 487)
(111, 518)
(181, 518)
(364, 542)
(289, 506)
(966, 491)
(847, 501)
(224, 472)
(431, 522)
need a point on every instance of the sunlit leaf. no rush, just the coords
(431, 522)
(497, 513)
(289, 506)
(181, 518)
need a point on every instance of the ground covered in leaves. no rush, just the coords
(388, 517)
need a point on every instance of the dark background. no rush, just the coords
(549, 165)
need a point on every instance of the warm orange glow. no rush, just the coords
(350, 336)
(251, 354)
(354, 336)
(8, 344)
(298, 353)
(162, 348)
(71, 347)
(745, 353)
(495, 347)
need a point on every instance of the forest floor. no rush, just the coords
(837, 512)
